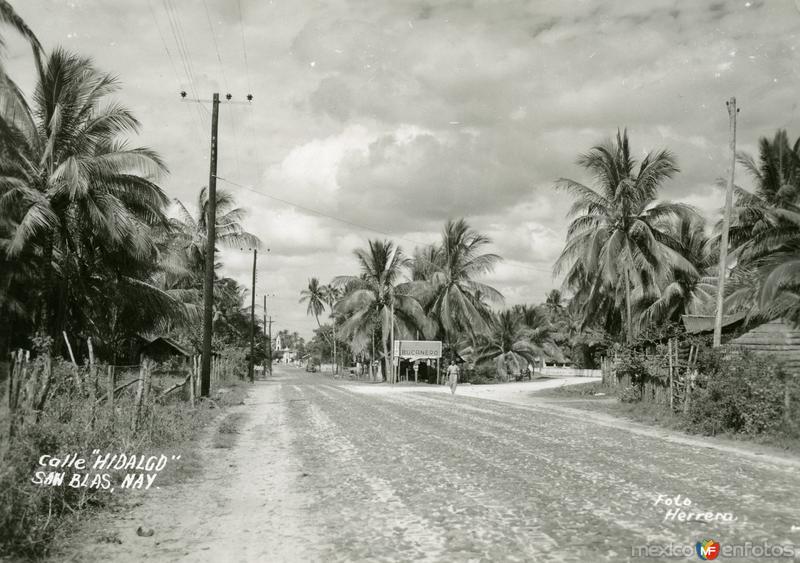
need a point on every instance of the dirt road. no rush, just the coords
(330, 471)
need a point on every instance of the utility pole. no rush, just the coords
(270, 345)
(267, 345)
(251, 367)
(211, 238)
(726, 223)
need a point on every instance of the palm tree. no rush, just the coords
(682, 292)
(511, 344)
(10, 17)
(553, 302)
(765, 235)
(317, 297)
(76, 198)
(332, 296)
(450, 291)
(376, 301)
(189, 232)
(612, 241)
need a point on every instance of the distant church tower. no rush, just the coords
(278, 343)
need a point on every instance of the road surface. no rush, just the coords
(336, 471)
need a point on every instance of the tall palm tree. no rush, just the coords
(72, 191)
(612, 241)
(452, 295)
(190, 232)
(377, 302)
(332, 296)
(316, 295)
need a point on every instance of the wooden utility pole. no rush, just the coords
(211, 238)
(726, 223)
(251, 367)
(267, 345)
(270, 345)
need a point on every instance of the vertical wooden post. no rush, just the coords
(13, 374)
(139, 392)
(669, 354)
(192, 370)
(787, 402)
(148, 379)
(110, 388)
(23, 377)
(726, 221)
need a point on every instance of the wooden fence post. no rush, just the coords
(148, 378)
(92, 381)
(192, 372)
(787, 402)
(669, 354)
(139, 392)
(13, 373)
(110, 388)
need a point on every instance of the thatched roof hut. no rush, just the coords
(779, 339)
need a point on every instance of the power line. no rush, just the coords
(225, 81)
(183, 50)
(351, 223)
(182, 53)
(244, 46)
(175, 72)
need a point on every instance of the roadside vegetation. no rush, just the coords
(92, 266)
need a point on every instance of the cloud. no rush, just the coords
(391, 117)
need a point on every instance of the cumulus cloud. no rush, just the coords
(379, 118)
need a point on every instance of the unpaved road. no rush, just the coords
(334, 471)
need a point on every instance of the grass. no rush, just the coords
(32, 516)
(228, 430)
(579, 390)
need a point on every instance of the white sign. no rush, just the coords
(417, 349)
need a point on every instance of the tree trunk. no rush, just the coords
(386, 365)
(628, 304)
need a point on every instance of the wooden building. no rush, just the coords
(779, 339)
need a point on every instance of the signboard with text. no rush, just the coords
(413, 349)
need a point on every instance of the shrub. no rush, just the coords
(481, 374)
(31, 515)
(738, 392)
(630, 394)
(630, 364)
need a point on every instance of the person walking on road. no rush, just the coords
(452, 375)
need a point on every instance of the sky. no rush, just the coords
(385, 118)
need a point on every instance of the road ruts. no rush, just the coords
(334, 471)
(410, 476)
